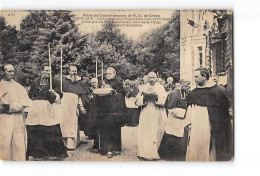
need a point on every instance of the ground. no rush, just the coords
(129, 148)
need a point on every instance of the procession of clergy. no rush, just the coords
(175, 121)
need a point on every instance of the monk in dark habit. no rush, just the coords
(109, 114)
(74, 106)
(208, 109)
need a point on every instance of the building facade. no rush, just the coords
(206, 41)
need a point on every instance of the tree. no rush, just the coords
(27, 35)
(8, 45)
(28, 48)
(117, 51)
(159, 50)
(8, 42)
(42, 28)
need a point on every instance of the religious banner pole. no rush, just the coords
(50, 67)
(61, 69)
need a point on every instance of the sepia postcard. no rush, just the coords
(116, 85)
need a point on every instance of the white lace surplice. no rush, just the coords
(151, 124)
(175, 126)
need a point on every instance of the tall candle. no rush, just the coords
(50, 67)
(96, 67)
(61, 69)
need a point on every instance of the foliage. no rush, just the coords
(27, 48)
(159, 50)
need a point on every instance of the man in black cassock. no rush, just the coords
(91, 129)
(174, 142)
(74, 107)
(208, 110)
(169, 87)
(43, 125)
(108, 114)
(132, 90)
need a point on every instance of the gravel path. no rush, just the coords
(129, 148)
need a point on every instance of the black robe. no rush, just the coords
(45, 141)
(41, 92)
(218, 105)
(133, 113)
(169, 87)
(117, 85)
(172, 147)
(108, 115)
(83, 91)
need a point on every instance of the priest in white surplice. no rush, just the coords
(153, 117)
(13, 100)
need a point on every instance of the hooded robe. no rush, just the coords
(74, 94)
(210, 135)
(108, 114)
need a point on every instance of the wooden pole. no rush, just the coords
(61, 69)
(102, 70)
(50, 67)
(96, 68)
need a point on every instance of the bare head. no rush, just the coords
(127, 82)
(8, 72)
(159, 80)
(201, 76)
(152, 77)
(110, 73)
(145, 79)
(73, 70)
(45, 70)
(94, 82)
(215, 78)
(170, 80)
(184, 85)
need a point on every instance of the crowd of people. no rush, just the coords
(176, 120)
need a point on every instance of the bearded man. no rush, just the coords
(75, 102)
(153, 116)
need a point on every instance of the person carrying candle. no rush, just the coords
(43, 124)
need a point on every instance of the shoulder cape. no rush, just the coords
(117, 85)
(78, 88)
(209, 96)
(174, 100)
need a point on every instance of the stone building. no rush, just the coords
(206, 41)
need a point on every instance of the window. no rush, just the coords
(200, 55)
